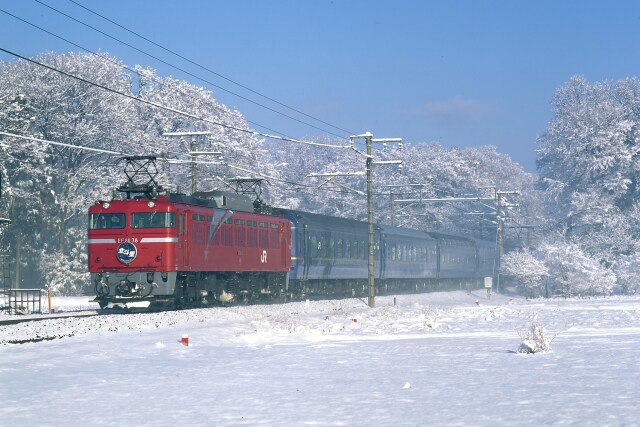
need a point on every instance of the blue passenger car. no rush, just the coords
(487, 258)
(329, 256)
(330, 248)
(457, 257)
(408, 254)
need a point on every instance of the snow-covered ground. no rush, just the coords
(431, 359)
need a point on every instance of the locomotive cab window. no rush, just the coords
(106, 221)
(153, 220)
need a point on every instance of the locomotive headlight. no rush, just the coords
(106, 205)
(151, 204)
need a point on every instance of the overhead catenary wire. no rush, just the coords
(62, 144)
(119, 153)
(187, 72)
(299, 186)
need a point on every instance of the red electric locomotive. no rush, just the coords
(173, 249)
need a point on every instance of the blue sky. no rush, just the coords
(464, 73)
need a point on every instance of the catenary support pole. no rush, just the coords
(370, 272)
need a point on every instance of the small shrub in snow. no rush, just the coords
(534, 339)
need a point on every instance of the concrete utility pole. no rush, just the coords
(194, 153)
(370, 272)
(368, 137)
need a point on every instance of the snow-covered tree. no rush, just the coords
(589, 164)
(574, 272)
(526, 271)
(65, 273)
(627, 270)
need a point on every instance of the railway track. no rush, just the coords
(32, 329)
(86, 313)
(19, 320)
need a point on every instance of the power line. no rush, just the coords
(61, 144)
(171, 109)
(187, 72)
(112, 61)
(208, 69)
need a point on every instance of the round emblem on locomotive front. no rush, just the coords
(126, 252)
